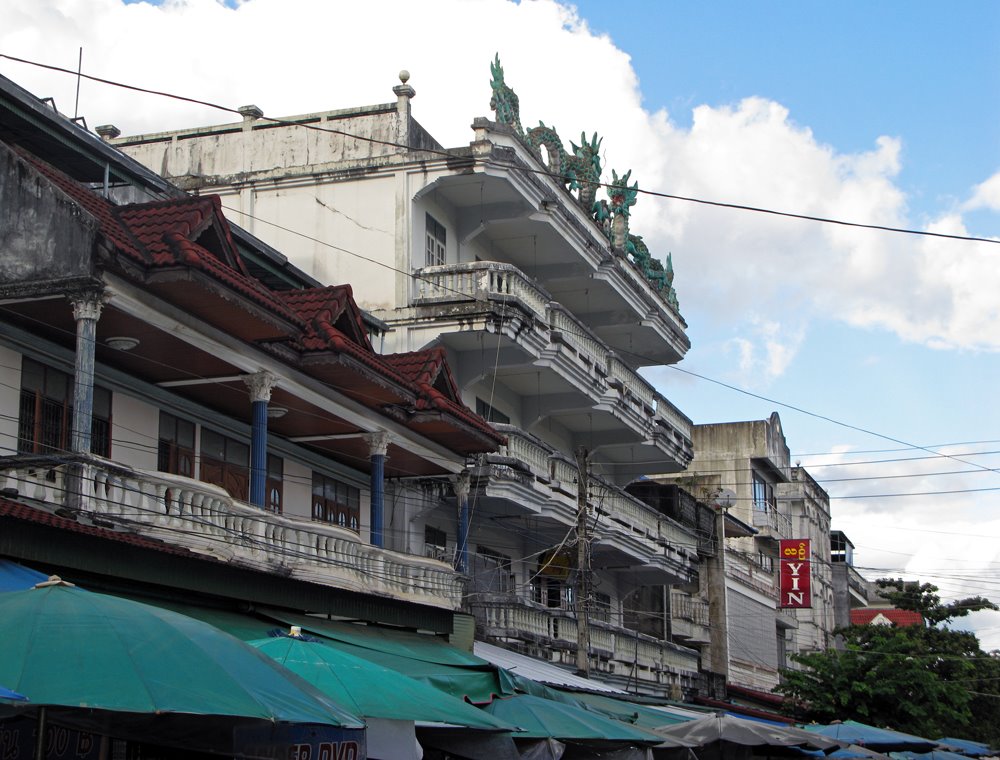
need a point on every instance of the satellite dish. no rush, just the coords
(725, 499)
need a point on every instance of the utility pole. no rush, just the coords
(582, 566)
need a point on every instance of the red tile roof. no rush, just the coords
(430, 372)
(163, 234)
(866, 616)
(17, 511)
(193, 233)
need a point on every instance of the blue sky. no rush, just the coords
(928, 72)
(884, 113)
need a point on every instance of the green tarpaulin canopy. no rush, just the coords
(112, 666)
(542, 718)
(371, 690)
(424, 658)
(642, 716)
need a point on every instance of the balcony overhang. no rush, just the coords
(642, 561)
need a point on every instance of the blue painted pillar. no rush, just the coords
(378, 445)
(462, 550)
(86, 311)
(260, 386)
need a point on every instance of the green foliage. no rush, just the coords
(922, 598)
(926, 680)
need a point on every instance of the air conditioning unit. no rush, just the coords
(439, 553)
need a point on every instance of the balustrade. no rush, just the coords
(203, 517)
(480, 280)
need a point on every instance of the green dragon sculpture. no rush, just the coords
(580, 170)
(504, 100)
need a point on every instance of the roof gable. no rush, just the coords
(885, 616)
(331, 315)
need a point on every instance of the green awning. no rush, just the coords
(371, 690)
(643, 716)
(424, 658)
(543, 718)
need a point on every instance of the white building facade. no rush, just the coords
(506, 255)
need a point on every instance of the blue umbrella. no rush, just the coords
(967, 747)
(870, 737)
(11, 696)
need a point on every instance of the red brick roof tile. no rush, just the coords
(866, 615)
(18, 511)
(169, 234)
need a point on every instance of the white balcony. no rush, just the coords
(772, 523)
(689, 618)
(613, 648)
(205, 519)
(591, 390)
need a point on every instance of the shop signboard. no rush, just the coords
(794, 573)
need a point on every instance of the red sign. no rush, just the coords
(793, 573)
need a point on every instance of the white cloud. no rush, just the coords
(985, 195)
(764, 352)
(295, 56)
(913, 515)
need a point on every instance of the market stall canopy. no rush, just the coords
(103, 663)
(968, 748)
(11, 696)
(643, 716)
(881, 739)
(424, 658)
(543, 718)
(725, 729)
(371, 690)
(15, 577)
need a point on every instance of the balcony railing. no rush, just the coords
(509, 617)
(205, 519)
(527, 449)
(857, 583)
(488, 280)
(773, 522)
(477, 281)
(750, 572)
(687, 607)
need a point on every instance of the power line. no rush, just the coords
(509, 165)
(451, 155)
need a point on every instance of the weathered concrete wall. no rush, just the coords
(225, 154)
(44, 236)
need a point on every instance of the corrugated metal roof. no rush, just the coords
(544, 672)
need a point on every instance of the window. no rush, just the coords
(486, 411)
(492, 571)
(601, 608)
(763, 494)
(225, 462)
(436, 241)
(275, 472)
(435, 543)
(46, 412)
(336, 502)
(176, 446)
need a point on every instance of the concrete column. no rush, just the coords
(86, 311)
(717, 612)
(462, 486)
(260, 386)
(404, 93)
(378, 445)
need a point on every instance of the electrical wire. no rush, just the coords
(710, 203)
(500, 164)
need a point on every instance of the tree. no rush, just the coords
(927, 680)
